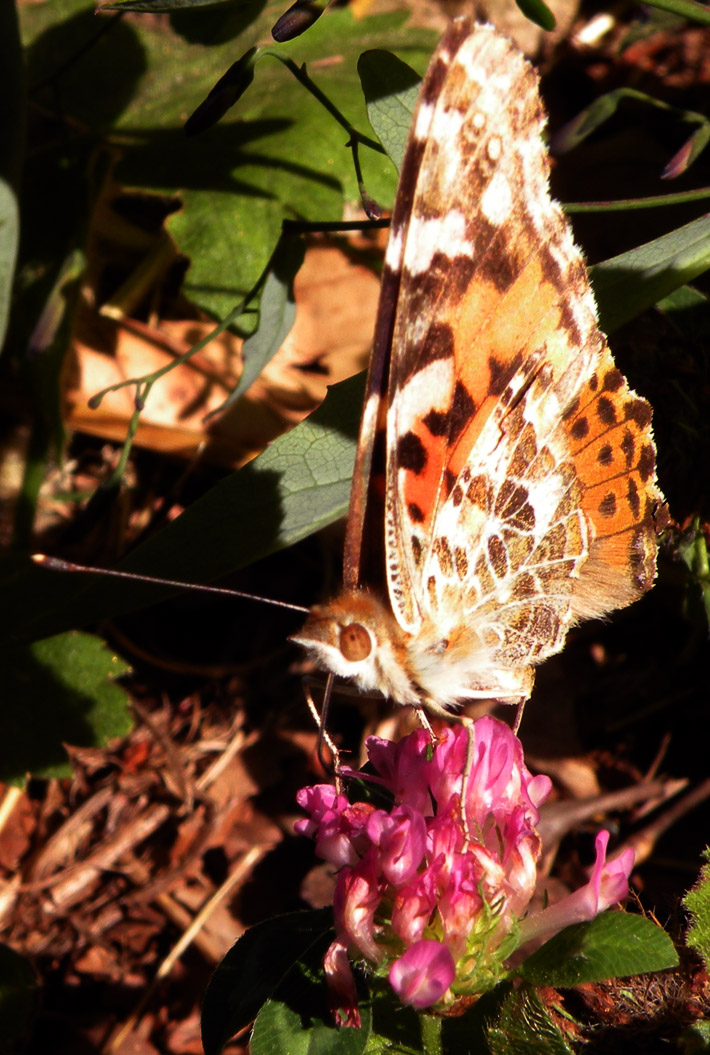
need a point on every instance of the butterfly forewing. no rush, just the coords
(505, 481)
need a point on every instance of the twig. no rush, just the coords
(9, 801)
(243, 869)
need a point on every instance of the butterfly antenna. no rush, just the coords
(56, 564)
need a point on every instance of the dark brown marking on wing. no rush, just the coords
(501, 372)
(411, 453)
(605, 455)
(647, 462)
(512, 505)
(632, 496)
(607, 506)
(580, 429)
(613, 380)
(606, 411)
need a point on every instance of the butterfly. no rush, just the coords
(504, 485)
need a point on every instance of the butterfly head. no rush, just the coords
(356, 637)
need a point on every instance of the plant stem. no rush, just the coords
(431, 1034)
(299, 72)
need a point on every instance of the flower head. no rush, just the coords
(433, 892)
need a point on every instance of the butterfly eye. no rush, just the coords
(355, 642)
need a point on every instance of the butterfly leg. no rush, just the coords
(519, 715)
(425, 723)
(324, 738)
(468, 724)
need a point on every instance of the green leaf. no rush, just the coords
(594, 115)
(60, 690)
(300, 1026)
(692, 549)
(9, 240)
(277, 155)
(43, 368)
(523, 1026)
(681, 300)
(695, 1040)
(277, 312)
(697, 903)
(684, 9)
(627, 284)
(168, 5)
(538, 12)
(391, 88)
(613, 945)
(468, 1032)
(18, 998)
(588, 120)
(395, 1027)
(255, 968)
(299, 484)
(12, 123)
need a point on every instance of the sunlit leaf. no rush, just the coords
(629, 283)
(391, 88)
(59, 690)
(614, 945)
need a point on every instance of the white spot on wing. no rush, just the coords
(393, 256)
(423, 121)
(446, 128)
(494, 148)
(418, 397)
(497, 200)
(427, 236)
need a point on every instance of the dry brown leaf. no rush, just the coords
(336, 301)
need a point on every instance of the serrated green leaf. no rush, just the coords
(295, 1028)
(523, 1026)
(697, 903)
(391, 88)
(56, 691)
(256, 966)
(18, 999)
(627, 284)
(613, 945)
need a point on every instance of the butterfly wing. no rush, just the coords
(520, 483)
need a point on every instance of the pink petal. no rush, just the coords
(342, 994)
(423, 974)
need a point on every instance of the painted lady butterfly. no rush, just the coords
(505, 479)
